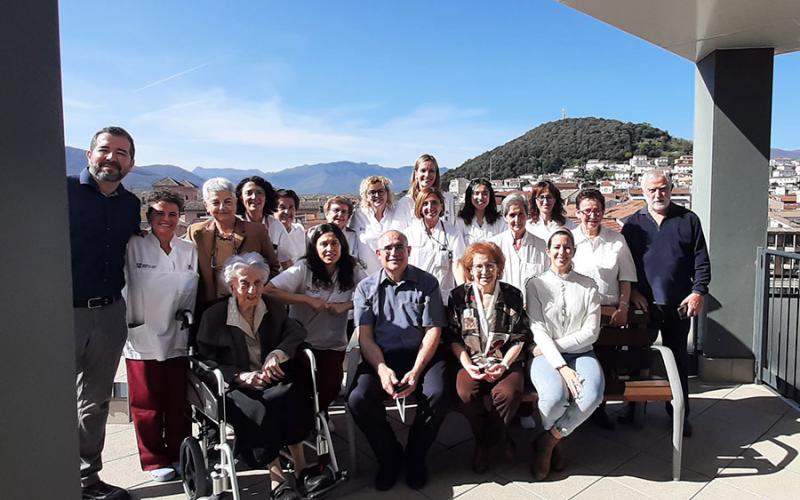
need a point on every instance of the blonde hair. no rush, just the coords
(413, 190)
(372, 179)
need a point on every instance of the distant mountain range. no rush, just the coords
(794, 154)
(320, 178)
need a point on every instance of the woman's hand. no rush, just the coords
(537, 351)
(638, 300)
(570, 377)
(272, 369)
(473, 371)
(316, 304)
(338, 308)
(619, 318)
(253, 380)
(494, 372)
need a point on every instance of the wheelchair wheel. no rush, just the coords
(196, 479)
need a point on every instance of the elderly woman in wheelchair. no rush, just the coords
(253, 343)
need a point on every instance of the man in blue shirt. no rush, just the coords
(673, 268)
(103, 216)
(400, 316)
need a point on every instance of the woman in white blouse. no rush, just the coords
(436, 245)
(603, 255)
(564, 310)
(479, 219)
(425, 176)
(376, 215)
(547, 210)
(256, 201)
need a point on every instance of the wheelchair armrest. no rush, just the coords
(185, 317)
(209, 371)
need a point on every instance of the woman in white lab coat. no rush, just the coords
(256, 201)
(547, 210)
(425, 176)
(436, 245)
(161, 279)
(479, 219)
(376, 213)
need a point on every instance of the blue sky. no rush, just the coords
(275, 84)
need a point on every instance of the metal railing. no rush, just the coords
(777, 321)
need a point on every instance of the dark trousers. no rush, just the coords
(330, 370)
(490, 423)
(160, 412)
(366, 403)
(674, 335)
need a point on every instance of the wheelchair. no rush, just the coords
(207, 460)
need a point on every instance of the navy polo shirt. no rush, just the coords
(672, 259)
(99, 229)
(399, 312)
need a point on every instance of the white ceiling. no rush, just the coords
(694, 28)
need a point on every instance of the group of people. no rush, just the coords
(452, 307)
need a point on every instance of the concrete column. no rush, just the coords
(38, 420)
(733, 114)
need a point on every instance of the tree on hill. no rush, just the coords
(552, 146)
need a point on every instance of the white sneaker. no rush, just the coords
(162, 475)
(527, 422)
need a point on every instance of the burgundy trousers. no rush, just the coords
(157, 395)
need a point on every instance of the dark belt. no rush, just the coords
(96, 302)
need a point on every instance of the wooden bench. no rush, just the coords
(633, 367)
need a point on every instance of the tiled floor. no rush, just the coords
(745, 445)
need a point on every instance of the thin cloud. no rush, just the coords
(172, 77)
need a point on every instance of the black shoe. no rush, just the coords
(416, 473)
(287, 490)
(687, 429)
(388, 472)
(103, 491)
(601, 419)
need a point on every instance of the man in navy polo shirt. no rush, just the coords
(672, 266)
(103, 216)
(400, 315)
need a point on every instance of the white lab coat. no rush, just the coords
(531, 259)
(158, 285)
(436, 253)
(473, 232)
(369, 229)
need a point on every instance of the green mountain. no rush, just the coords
(555, 145)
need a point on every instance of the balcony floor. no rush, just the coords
(745, 445)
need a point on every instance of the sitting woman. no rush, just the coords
(254, 343)
(436, 245)
(564, 310)
(488, 333)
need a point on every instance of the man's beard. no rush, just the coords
(99, 172)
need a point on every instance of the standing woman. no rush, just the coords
(425, 176)
(436, 245)
(564, 310)
(547, 210)
(479, 219)
(603, 255)
(256, 201)
(376, 215)
(161, 279)
(488, 333)
(223, 236)
(288, 205)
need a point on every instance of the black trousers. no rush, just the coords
(366, 403)
(674, 335)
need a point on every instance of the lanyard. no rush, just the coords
(443, 246)
(214, 246)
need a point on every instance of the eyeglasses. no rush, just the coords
(398, 247)
(376, 192)
(484, 268)
(591, 211)
(544, 198)
(338, 211)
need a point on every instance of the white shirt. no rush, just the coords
(475, 232)
(297, 242)
(405, 209)
(606, 259)
(278, 236)
(158, 285)
(531, 259)
(369, 228)
(325, 331)
(436, 252)
(543, 231)
(564, 313)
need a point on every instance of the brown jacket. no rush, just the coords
(226, 345)
(248, 237)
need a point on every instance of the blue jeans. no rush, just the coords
(555, 403)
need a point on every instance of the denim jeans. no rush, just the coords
(555, 402)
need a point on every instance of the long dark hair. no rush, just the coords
(558, 209)
(345, 266)
(270, 199)
(467, 212)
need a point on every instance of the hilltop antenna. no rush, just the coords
(563, 113)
